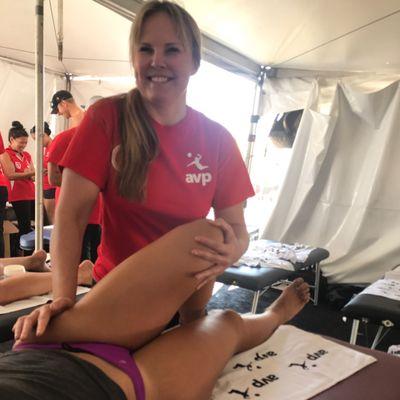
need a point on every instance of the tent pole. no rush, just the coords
(39, 76)
(60, 34)
(258, 92)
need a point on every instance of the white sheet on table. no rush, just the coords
(285, 367)
(264, 253)
(34, 301)
(389, 288)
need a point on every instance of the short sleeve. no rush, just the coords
(58, 147)
(2, 150)
(89, 153)
(233, 181)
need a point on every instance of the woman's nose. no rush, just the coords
(158, 59)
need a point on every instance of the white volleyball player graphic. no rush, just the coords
(202, 178)
(196, 162)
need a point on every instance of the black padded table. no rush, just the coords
(261, 278)
(369, 308)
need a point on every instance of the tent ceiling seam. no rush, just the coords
(338, 37)
(26, 64)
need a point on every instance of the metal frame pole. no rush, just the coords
(39, 78)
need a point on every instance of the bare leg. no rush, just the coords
(34, 284)
(50, 206)
(133, 303)
(34, 262)
(186, 362)
(195, 306)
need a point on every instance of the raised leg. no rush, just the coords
(134, 302)
(186, 362)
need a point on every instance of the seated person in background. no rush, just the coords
(121, 319)
(37, 279)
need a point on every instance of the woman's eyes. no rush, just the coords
(148, 49)
(173, 50)
(145, 49)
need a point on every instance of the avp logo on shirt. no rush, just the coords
(18, 164)
(200, 177)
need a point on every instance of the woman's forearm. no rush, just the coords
(242, 239)
(65, 249)
(15, 176)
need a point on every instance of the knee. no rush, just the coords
(229, 317)
(201, 227)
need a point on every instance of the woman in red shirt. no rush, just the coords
(4, 184)
(18, 167)
(49, 191)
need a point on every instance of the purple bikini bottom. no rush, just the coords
(115, 355)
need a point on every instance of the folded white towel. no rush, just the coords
(291, 365)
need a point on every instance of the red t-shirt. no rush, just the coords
(57, 150)
(199, 166)
(46, 183)
(3, 179)
(21, 189)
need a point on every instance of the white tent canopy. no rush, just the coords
(302, 38)
(357, 35)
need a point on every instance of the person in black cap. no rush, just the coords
(64, 104)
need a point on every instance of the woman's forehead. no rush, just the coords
(160, 26)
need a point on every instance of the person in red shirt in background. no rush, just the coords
(49, 191)
(4, 187)
(92, 235)
(18, 168)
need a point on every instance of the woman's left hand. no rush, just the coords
(221, 255)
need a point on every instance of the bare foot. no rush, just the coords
(36, 262)
(292, 300)
(85, 273)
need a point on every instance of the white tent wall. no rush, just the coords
(83, 90)
(17, 97)
(341, 191)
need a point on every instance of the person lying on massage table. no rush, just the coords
(110, 344)
(37, 280)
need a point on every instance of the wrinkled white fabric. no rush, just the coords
(341, 190)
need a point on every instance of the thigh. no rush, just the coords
(133, 303)
(185, 363)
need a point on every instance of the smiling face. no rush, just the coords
(163, 64)
(19, 144)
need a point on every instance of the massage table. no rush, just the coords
(378, 381)
(261, 278)
(8, 320)
(375, 309)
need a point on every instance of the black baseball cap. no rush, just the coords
(58, 97)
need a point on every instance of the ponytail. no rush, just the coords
(139, 147)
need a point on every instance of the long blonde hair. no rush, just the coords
(139, 141)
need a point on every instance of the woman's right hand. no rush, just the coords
(39, 318)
